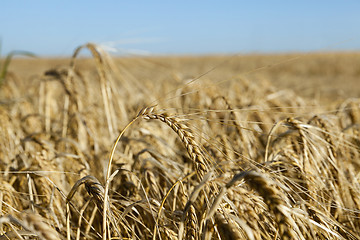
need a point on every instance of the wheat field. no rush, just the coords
(221, 147)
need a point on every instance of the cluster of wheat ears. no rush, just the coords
(101, 155)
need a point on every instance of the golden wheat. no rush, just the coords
(221, 157)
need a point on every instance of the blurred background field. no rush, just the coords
(325, 77)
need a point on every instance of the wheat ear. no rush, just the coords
(274, 199)
(96, 191)
(186, 137)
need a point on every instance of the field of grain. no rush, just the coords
(215, 147)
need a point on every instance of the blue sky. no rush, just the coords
(56, 28)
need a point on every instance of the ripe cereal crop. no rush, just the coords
(216, 147)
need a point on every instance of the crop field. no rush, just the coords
(211, 147)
